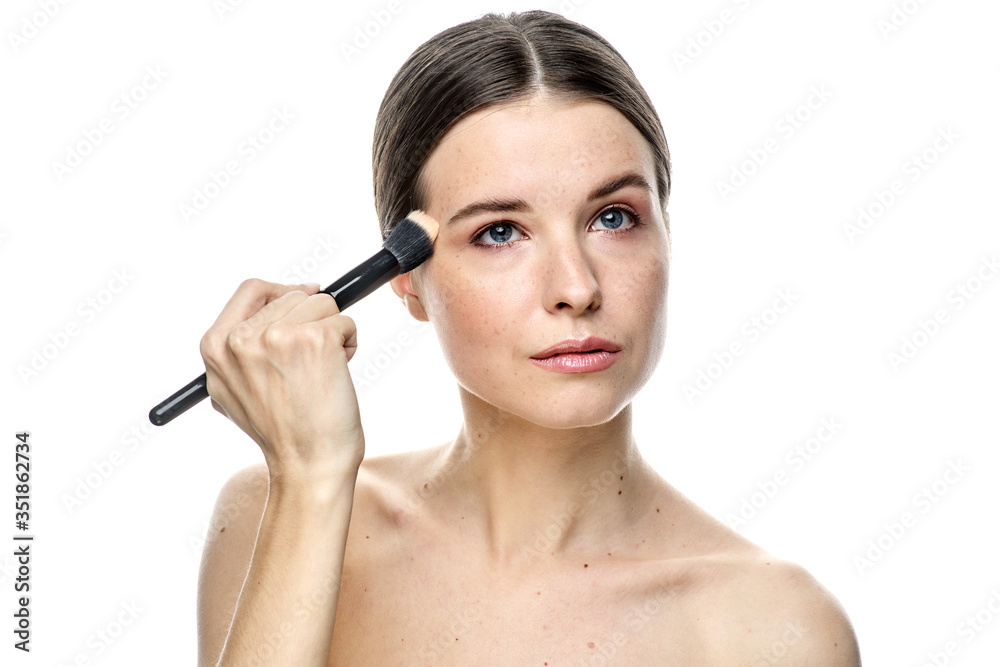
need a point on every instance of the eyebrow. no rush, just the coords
(518, 205)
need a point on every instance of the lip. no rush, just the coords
(589, 355)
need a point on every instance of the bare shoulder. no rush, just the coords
(236, 516)
(773, 611)
(389, 494)
(746, 606)
(391, 482)
(225, 560)
(387, 508)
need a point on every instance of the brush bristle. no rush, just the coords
(412, 240)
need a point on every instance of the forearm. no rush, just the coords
(286, 609)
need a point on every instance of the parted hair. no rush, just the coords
(496, 59)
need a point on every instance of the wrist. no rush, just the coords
(316, 480)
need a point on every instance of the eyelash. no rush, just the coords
(637, 222)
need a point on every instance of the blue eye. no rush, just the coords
(499, 233)
(614, 218)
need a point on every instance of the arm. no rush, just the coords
(276, 362)
(226, 556)
(279, 594)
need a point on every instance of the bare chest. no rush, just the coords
(447, 615)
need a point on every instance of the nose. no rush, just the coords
(570, 281)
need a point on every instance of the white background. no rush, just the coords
(135, 539)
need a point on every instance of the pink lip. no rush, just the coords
(589, 355)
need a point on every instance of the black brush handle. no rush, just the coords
(352, 287)
(364, 279)
(192, 393)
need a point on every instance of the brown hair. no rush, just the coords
(491, 60)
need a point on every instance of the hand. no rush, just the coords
(276, 361)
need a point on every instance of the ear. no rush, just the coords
(403, 287)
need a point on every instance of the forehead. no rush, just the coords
(538, 149)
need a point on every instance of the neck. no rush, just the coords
(533, 492)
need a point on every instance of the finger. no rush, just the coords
(310, 309)
(306, 308)
(250, 297)
(346, 330)
(351, 345)
(275, 310)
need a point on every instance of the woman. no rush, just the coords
(538, 535)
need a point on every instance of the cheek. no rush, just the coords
(656, 304)
(635, 296)
(473, 313)
(637, 277)
(658, 271)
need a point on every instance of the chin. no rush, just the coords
(567, 409)
(590, 419)
(581, 415)
(553, 400)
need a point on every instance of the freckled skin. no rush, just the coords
(485, 304)
(471, 551)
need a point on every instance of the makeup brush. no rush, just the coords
(408, 246)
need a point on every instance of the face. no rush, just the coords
(551, 231)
